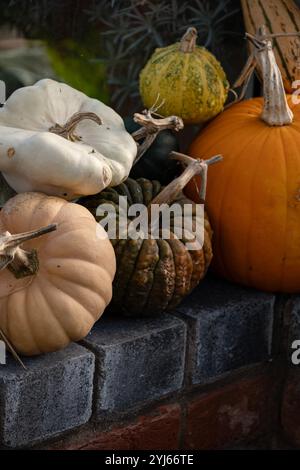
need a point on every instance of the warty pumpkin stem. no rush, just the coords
(20, 262)
(67, 130)
(151, 127)
(188, 41)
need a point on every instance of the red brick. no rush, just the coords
(290, 413)
(229, 414)
(158, 430)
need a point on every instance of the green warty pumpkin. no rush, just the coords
(153, 275)
(187, 79)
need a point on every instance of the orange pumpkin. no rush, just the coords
(253, 196)
(54, 288)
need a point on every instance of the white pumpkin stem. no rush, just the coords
(20, 262)
(67, 130)
(151, 127)
(188, 41)
(193, 167)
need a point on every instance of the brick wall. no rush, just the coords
(215, 373)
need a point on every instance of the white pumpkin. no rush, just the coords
(56, 140)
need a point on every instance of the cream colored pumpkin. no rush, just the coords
(35, 154)
(73, 283)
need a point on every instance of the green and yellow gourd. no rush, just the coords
(155, 274)
(187, 79)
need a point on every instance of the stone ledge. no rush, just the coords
(228, 327)
(137, 361)
(53, 395)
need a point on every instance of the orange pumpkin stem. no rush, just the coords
(188, 40)
(20, 262)
(276, 111)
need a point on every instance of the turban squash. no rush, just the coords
(154, 275)
(253, 198)
(54, 288)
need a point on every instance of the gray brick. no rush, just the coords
(138, 360)
(229, 327)
(292, 322)
(294, 308)
(54, 394)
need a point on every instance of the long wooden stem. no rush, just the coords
(193, 168)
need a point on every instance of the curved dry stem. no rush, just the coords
(20, 262)
(193, 167)
(68, 129)
(150, 129)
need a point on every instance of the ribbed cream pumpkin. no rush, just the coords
(253, 198)
(70, 282)
(187, 79)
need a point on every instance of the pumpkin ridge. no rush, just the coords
(118, 291)
(71, 295)
(137, 299)
(17, 317)
(31, 325)
(165, 83)
(147, 189)
(157, 297)
(155, 79)
(220, 239)
(203, 95)
(290, 14)
(130, 260)
(285, 159)
(59, 274)
(179, 251)
(290, 191)
(63, 320)
(247, 264)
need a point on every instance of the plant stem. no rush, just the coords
(188, 40)
(193, 168)
(68, 129)
(20, 262)
(150, 129)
